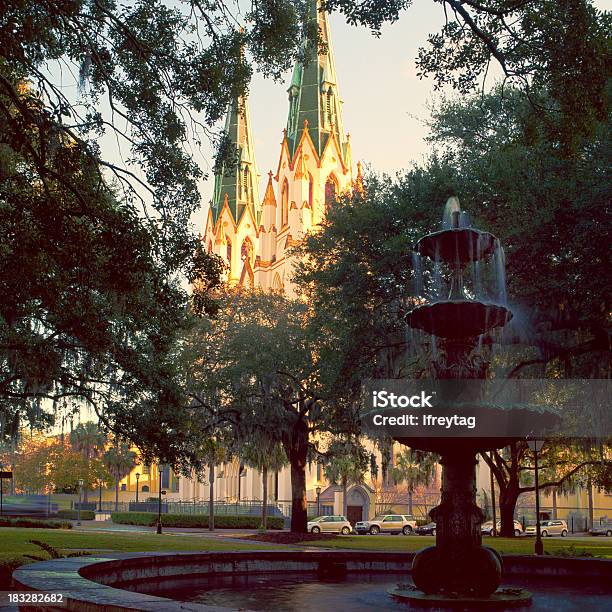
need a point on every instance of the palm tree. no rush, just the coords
(89, 440)
(347, 463)
(212, 452)
(119, 459)
(415, 468)
(264, 455)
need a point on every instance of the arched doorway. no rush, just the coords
(357, 504)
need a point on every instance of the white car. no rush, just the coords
(387, 523)
(549, 528)
(330, 524)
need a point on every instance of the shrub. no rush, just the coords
(86, 515)
(7, 567)
(19, 521)
(223, 521)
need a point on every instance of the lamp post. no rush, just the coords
(536, 447)
(493, 500)
(159, 523)
(318, 491)
(137, 479)
(79, 506)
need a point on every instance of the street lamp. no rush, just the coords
(536, 447)
(318, 492)
(137, 479)
(159, 522)
(79, 506)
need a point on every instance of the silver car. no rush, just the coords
(549, 528)
(387, 523)
(487, 528)
(330, 524)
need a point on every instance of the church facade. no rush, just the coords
(253, 234)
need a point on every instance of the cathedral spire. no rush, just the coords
(237, 184)
(313, 93)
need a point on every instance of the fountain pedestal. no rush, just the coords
(458, 563)
(458, 568)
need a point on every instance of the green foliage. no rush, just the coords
(346, 461)
(6, 521)
(557, 46)
(86, 515)
(222, 521)
(415, 468)
(119, 459)
(261, 371)
(263, 453)
(7, 567)
(92, 249)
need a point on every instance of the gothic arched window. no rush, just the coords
(331, 190)
(310, 190)
(246, 252)
(277, 284)
(285, 203)
(228, 250)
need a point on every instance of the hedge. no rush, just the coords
(7, 567)
(222, 521)
(6, 521)
(86, 515)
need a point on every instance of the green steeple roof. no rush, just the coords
(313, 93)
(240, 181)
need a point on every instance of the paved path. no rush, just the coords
(109, 526)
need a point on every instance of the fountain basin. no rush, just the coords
(457, 319)
(90, 584)
(458, 245)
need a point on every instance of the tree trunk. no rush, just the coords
(344, 497)
(554, 504)
(211, 497)
(297, 452)
(409, 501)
(264, 507)
(508, 497)
(117, 493)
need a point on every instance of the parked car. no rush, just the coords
(487, 528)
(603, 529)
(330, 524)
(429, 529)
(549, 528)
(387, 523)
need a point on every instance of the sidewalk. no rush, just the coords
(203, 532)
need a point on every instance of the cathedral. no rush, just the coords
(253, 235)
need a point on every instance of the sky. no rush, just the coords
(385, 102)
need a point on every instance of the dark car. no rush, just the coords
(604, 529)
(429, 529)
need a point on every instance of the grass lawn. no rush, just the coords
(14, 544)
(519, 546)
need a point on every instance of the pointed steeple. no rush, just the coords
(313, 93)
(238, 183)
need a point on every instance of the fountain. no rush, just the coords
(458, 567)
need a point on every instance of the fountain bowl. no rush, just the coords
(456, 319)
(457, 245)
